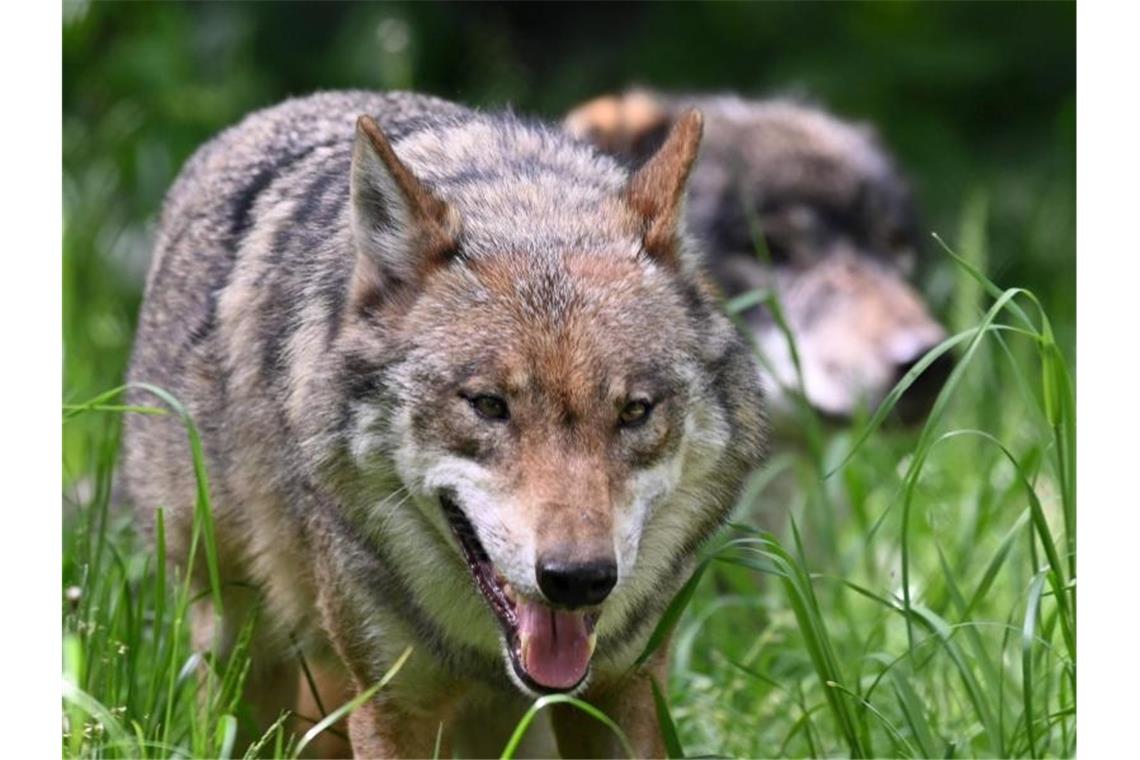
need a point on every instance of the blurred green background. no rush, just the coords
(978, 102)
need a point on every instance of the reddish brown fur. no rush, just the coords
(658, 188)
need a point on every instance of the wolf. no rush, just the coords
(790, 199)
(462, 385)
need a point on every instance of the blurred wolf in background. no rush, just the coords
(839, 226)
(461, 385)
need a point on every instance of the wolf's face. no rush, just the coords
(549, 421)
(840, 234)
(550, 404)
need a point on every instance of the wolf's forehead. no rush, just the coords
(574, 296)
(592, 320)
(488, 148)
(522, 186)
(582, 375)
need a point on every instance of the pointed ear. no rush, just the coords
(403, 232)
(656, 191)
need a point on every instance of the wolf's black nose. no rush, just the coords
(914, 405)
(579, 584)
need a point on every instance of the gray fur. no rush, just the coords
(315, 397)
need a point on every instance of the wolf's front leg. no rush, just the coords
(629, 702)
(405, 717)
(383, 729)
(394, 723)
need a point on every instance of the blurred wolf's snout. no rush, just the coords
(859, 328)
(913, 334)
(915, 403)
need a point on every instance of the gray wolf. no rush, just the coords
(462, 385)
(839, 225)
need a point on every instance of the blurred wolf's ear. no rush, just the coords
(656, 191)
(403, 231)
(632, 124)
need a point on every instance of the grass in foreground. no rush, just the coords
(882, 593)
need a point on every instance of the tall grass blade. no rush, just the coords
(1027, 636)
(542, 703)
(673, 748)
(104, 718)
(995, 564)
(73, 674)
(331, 719)
(273, 732)
(203, 514)
(672, 614)
(227, 733)
(894, 733)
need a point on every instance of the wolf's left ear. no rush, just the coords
(403, 231)
(656, 192)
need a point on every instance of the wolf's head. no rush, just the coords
(839, 226)
(531, 348)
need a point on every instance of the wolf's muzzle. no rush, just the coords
(915, 403)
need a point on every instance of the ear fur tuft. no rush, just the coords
(656, 191)
(403, 231)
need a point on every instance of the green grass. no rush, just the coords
(935, 615)
(929, 575)
(882, 592)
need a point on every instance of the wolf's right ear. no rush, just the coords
(656, 191)
(403, 231)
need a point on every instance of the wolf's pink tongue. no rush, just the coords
(555, 645)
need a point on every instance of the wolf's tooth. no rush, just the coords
(592, 642)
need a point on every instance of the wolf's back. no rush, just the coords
(220, 184)
(232, 199)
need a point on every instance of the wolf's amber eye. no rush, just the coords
(489, 407)
(634, 413)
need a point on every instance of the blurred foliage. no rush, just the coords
(978, 101)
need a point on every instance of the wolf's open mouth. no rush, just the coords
(550, 649)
